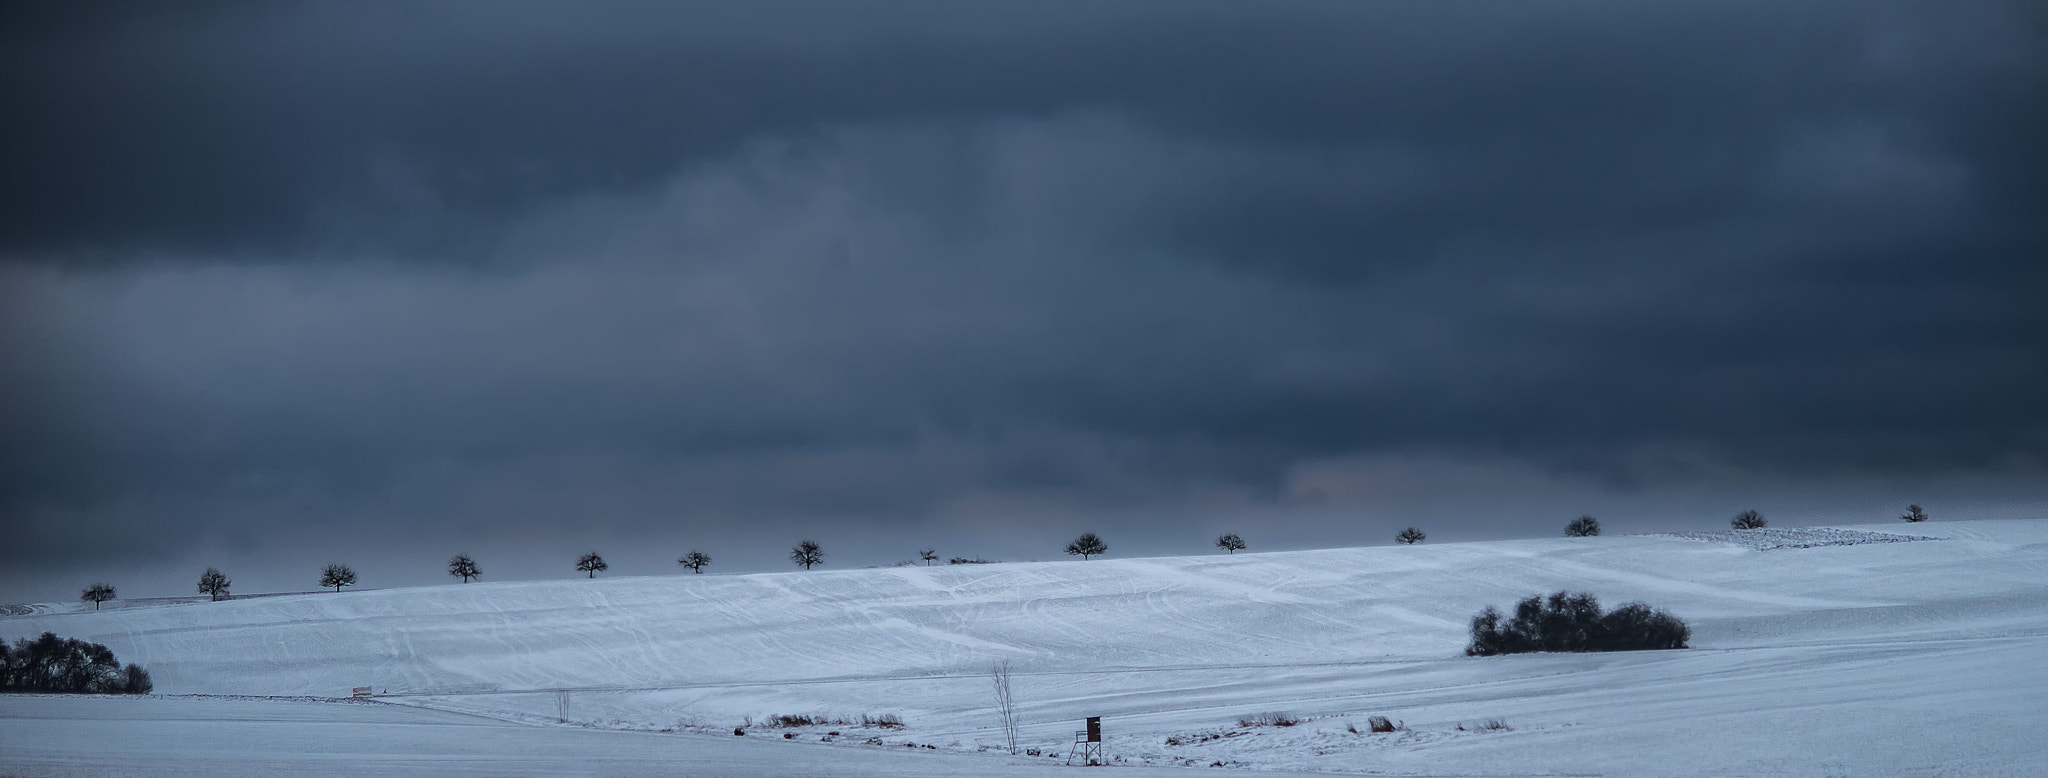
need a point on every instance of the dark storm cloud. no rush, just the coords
(362, 268)
(270, 128)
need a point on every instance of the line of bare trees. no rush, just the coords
(808, 554)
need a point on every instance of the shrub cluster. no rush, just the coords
(1273, 719)
(884, 721)
(1573, 622)
(53, 664)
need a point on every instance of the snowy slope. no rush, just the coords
(1874, 657)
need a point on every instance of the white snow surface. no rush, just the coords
(1823, 651)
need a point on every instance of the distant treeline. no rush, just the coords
(53, 664)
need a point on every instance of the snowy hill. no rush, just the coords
(1878, 649)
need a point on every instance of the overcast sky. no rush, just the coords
(290, 283)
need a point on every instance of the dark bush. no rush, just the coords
(52, 664)
(1636, 627)
(1749, 519)
(1582, 527)
(1381, 724)
(1567, 622)
(135, 680)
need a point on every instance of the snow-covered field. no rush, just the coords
(1828, 651)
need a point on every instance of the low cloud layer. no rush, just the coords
(285, 282)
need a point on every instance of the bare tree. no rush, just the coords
(464, 567)
(213, 583)
(337, 576)
(929, 555)
(695, 560)
(1087, 545)
(806, 553)
(1582, 527)
(96, 594)
(591, 563)
(1410, 536)
(1914, 514)
(1230, 542)
(1006, 704)
(1749, 519)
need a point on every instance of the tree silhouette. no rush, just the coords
(929, 555)
(213, 583)
(591, 563)
(1410, 536)
(96, 594)
(695, 560)
(337, 576)
(462, 566)
(806, 553)
(1914, 514)
(1230, 542)
(1748, 520)
(52, 664)
(1087, 545)
(1582, 527)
